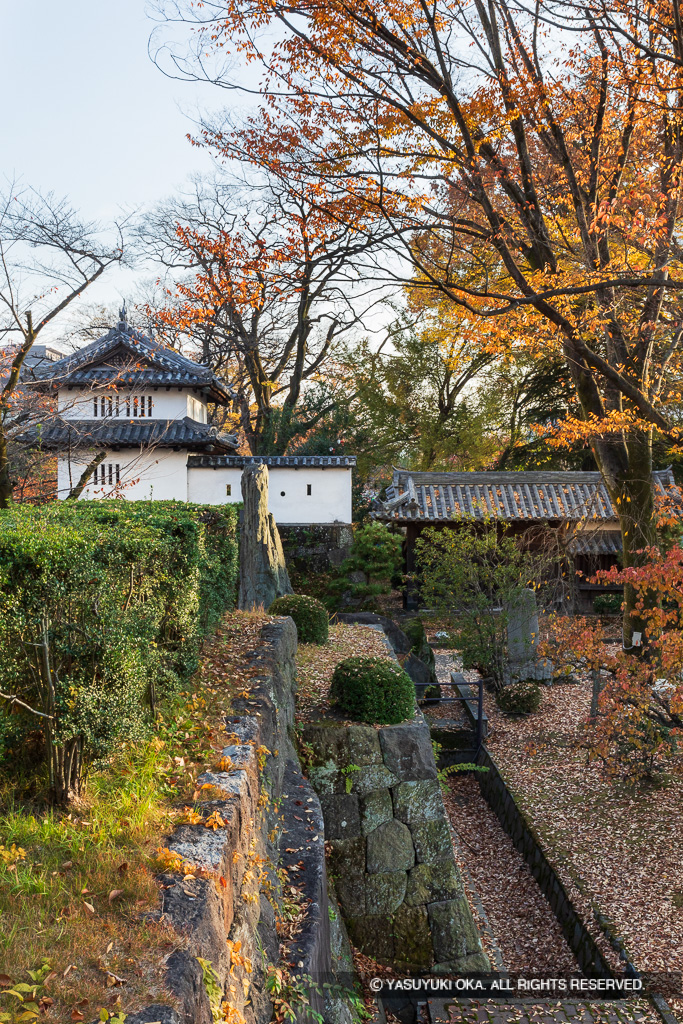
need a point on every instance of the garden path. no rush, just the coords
(516, 920)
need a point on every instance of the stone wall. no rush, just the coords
(273, 819)
(315, 548)
(391, 853)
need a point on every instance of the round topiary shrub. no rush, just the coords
(310, 617)
(373, 690)
(520, 698)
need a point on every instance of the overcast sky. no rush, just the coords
(87, 114)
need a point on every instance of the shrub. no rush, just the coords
(520, 698)
(101, 604)
(477, 575)
(373, 690)
(607, 604)
(310, 617)
(377, 555)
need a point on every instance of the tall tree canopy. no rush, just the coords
(529, 171)
(265, 283)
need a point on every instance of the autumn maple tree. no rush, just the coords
(529, 171)
(263, 283)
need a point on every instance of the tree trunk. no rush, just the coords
(65, 770)
(637, 522)
(631, 490)
(76, 491)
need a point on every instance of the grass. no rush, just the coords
(77, 889)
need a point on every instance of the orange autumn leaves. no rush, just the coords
(531, 176)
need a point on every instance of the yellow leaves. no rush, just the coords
(226, 764)
(191, 817)
(169, 860)
(11, 855)
(214, 821)
(237, 958)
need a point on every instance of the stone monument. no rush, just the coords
(263, 573)
(522, 633)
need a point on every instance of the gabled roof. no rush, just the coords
(290, 461)
(545, 496)
(130, 358)
(62, 435)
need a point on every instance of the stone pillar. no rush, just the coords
(522, 635)
(263, 574)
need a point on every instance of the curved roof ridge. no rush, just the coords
(139, 345)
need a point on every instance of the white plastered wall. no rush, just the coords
(328, 502)
(157, 475)
(173, 404)
(210, 486)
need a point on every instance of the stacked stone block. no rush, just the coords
(392, 858)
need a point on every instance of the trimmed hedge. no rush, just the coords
(310, 617)
(103, 609)
(373, 690)
(520, 698)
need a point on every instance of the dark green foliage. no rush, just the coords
(373, 690)
(607, 604)
(103, 608)
(415, 632)
(377, 553)
(520, 698)
(310, 617)
(421, 648)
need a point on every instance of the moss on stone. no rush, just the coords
(384, 892)
(431, 883)
(375, 809)
(412, 937)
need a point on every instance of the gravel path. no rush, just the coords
(445, 716)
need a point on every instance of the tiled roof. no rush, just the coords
(293, 461)
(596, 542)
(509, 497)
(185, 433)
(126, 356)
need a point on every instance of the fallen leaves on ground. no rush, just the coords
(616, 847)
(527, 932)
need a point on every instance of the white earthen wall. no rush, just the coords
(328, 502)
(158, 475)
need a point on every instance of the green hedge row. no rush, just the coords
(103, 609)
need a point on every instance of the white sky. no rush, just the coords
(87, 114)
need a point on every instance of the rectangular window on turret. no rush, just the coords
(108, 474)
(196, 410)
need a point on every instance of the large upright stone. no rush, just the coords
(263, 574)
(522, 636)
